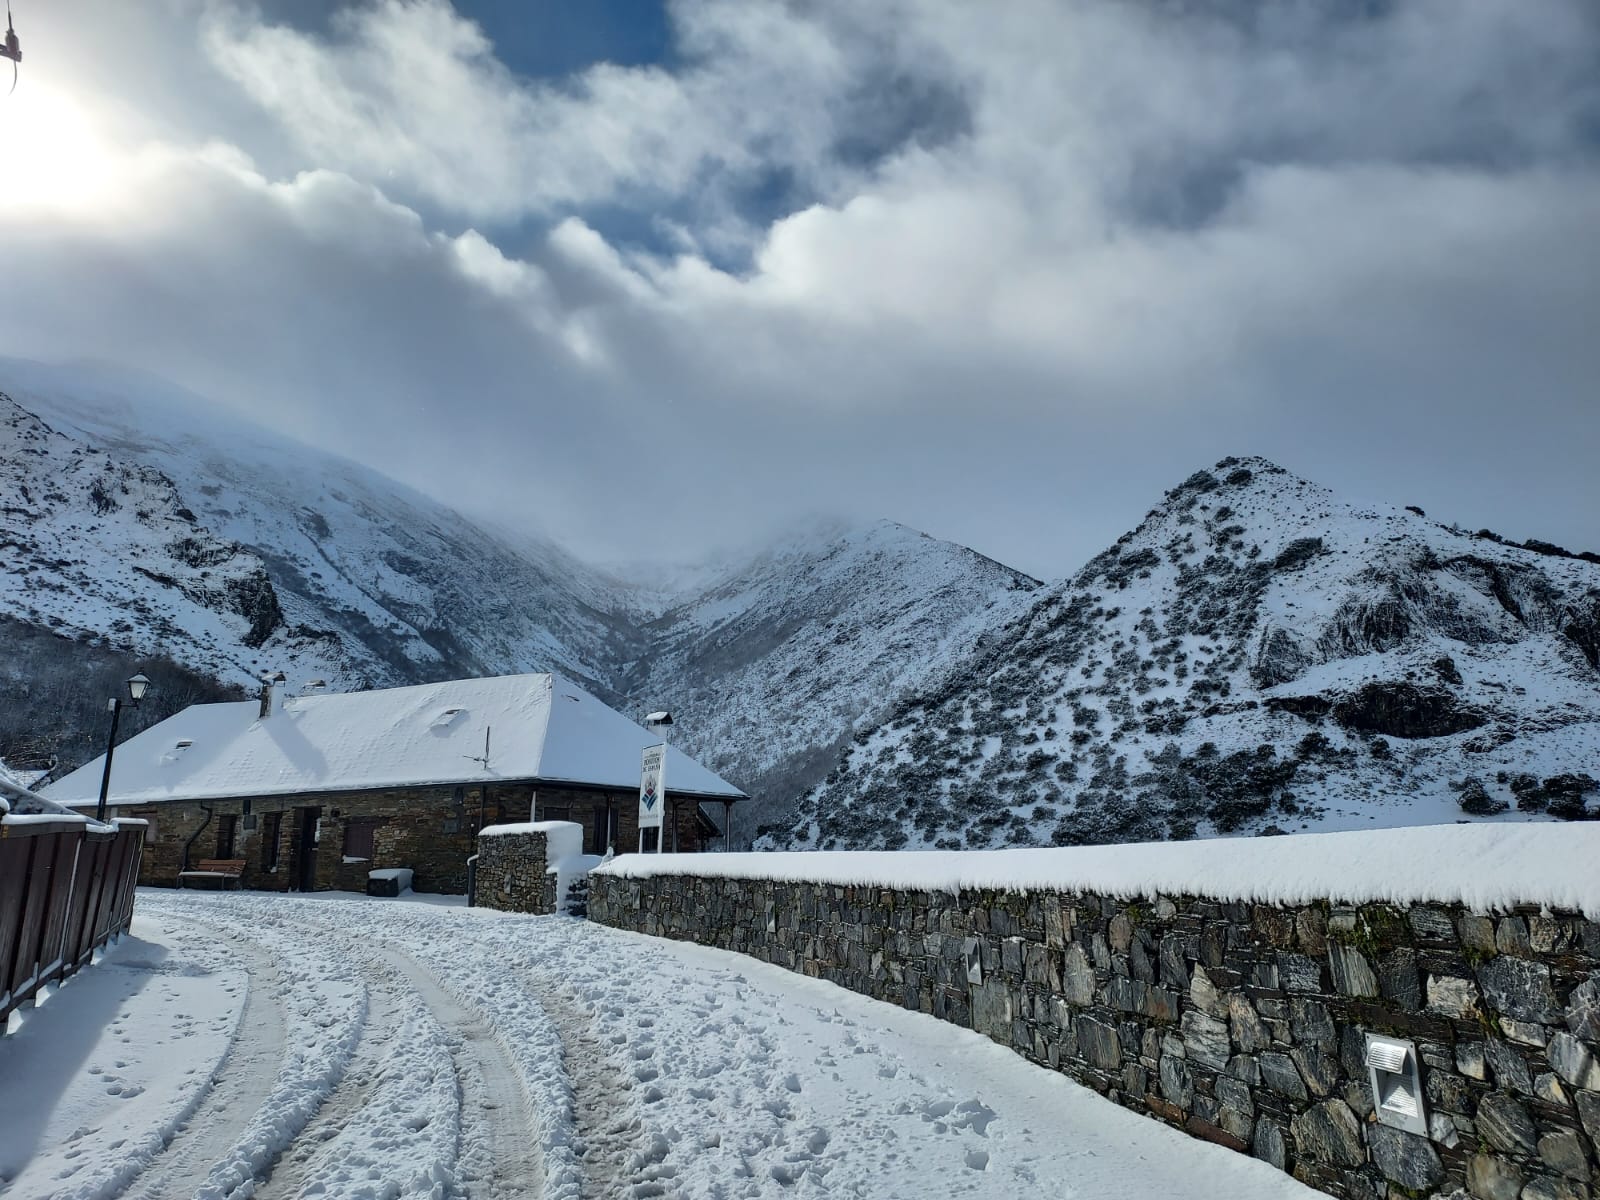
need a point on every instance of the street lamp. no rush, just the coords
(137, 686)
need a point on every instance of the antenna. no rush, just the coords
(482, 760)
(12, 48)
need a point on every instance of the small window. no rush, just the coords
(358, 837)
(452, 825)
(599, 830)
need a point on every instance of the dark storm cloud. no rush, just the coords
(1004, 273)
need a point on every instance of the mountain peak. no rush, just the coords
(1257, 654)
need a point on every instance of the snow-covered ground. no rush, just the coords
(249, 1045)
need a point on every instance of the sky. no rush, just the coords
(654, 279)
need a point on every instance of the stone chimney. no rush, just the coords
(271, 695)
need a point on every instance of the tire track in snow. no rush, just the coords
(606, 1119)
(500, 1153)
(292, 1170)
(320, 1010)
(242, 1084)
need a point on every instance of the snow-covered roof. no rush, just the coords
(26, 780)
(20, 806)
(544, 728)
(1486, 867)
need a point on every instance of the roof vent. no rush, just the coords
(446, 718)
(184, 743)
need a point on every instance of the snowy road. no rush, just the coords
(279, 1047)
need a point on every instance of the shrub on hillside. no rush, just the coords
(1475, 799)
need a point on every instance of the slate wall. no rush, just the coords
(1242, 1024)
(432, 830)
(511, 873)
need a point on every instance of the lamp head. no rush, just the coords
(137, 687)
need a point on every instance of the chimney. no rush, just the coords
(271, 695)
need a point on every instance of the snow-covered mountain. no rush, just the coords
(375, 584)
(100, 549)
(771, 666)
(1257, 654)
(236, 551)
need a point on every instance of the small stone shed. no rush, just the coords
(528, 867)
(313, 791)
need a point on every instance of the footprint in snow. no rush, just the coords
(975, 1115)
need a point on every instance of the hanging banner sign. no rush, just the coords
(652, 787)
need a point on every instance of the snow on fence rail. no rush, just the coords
(1486, 867)
(66, 889)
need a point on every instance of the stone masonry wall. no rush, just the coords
(1242, 1024)
(511, 873)
(432, 830)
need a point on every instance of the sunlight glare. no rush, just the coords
(52, 156)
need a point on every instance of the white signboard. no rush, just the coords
(652, 787)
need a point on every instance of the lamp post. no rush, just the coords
(137, 686)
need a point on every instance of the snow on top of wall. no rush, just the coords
(563, 851)
(43, 818)
(563, 840)
(1485, 867)
(541, 727)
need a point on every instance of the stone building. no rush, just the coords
(313, 791)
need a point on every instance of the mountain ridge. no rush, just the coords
(1256, 651)
(373, 584)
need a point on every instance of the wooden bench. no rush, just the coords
(213, 872)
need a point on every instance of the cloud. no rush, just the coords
(1029, 264)
(410, 92)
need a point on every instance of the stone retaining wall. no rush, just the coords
(512, 875)
(1243, 1024)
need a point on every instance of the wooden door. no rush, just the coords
(271, 828)
(305, 849)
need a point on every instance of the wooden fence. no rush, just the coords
(66, 889)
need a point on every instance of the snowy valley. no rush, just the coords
(1257, 655)
(235, 551)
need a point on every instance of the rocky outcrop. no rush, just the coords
(255, 600)
(1405, 710)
